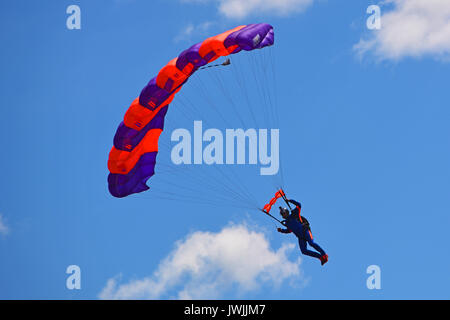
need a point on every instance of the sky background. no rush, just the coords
(363, 119)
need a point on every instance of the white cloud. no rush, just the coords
(240, 9)
(413, 28)
(4, 230)
(209, 265)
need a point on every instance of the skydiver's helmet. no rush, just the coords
(284, 211)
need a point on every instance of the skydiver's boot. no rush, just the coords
(324, 259)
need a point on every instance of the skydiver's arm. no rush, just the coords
(295, 203)
(284, 230)
(298, 207)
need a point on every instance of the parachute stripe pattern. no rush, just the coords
(132, 159)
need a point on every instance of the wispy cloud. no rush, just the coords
(413, 28)
(239, 9)
(4, 230)
(191, 30)
(209, 265)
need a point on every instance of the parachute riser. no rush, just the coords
(283, 195)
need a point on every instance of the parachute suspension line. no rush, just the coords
(265, 93)
(193, 195)
(225, 187)
(271, 216)
(219, 81)
(240, 81)
(177, 197)
(274, 101)
(267, 89)
(220, 84)
(232, 186)
(188, 104)
(259, 70)
(261, 93)
(277, 114)
(223, 195)
(202, 88)
(227, 95)
(226, 193)
(243, 190)
(204, 182)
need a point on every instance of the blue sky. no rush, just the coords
(364, 146)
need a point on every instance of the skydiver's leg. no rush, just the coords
(305, 251)
(309, 239)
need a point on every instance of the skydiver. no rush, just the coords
(299, 225)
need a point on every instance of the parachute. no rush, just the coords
(132, 159)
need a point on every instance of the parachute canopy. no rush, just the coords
(132, 159)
